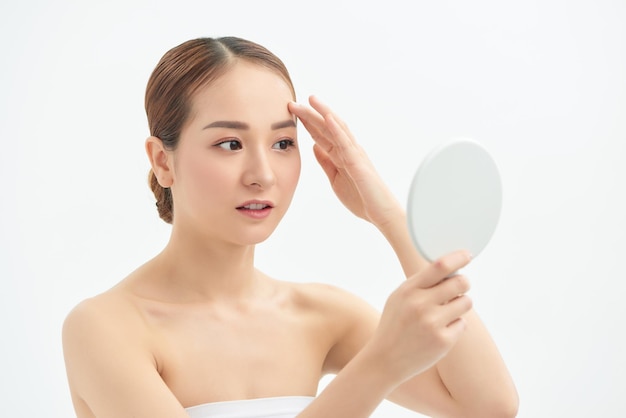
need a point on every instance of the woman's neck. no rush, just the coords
(195, 268)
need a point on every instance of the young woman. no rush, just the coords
(198, 331)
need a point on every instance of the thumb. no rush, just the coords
(441, 269)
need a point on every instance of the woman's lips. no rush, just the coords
(256, 209)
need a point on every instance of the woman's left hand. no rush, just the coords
(352, 176)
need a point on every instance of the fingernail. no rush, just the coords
(466, 254)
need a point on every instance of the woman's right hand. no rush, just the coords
(423, 318)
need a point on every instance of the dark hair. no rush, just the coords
(179, 74)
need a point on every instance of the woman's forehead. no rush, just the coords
(246, 79)
(244, 91)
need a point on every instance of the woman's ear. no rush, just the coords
(160, 161)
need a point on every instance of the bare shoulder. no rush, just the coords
(99, 328)
(110, 362)
(107, 312)
(327, 297)
(349, 320)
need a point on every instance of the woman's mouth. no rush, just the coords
(256, 210)
(254, 206)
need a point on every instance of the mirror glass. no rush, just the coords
(455, 199)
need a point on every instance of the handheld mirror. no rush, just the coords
(454, 200)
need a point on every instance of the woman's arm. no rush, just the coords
(420, 323)
(472, 379)
(463, 383)
(110, 370)
(356, 182)
(396, 232)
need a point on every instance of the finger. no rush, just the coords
(450, 289)
(455, 329)
(319, 106)
(325, 110)
(325, 162)
(306, 114)
(455, 309)
(313, 122)
(328, 133)
(323, 123)
(327, 114)
(442, 268)
(344, 147)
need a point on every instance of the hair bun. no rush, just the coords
(163, 197)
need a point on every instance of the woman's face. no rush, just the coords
(237, 163)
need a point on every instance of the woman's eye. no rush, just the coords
(231, 145)
(284, 144)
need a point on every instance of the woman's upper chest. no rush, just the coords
(218, 352)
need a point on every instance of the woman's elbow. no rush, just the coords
(503, 407)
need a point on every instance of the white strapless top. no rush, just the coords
(279, 407)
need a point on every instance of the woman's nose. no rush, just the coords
(259, 171)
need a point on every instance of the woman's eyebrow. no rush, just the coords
(233, 124)
(289, 123)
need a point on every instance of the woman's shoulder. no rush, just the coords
(348, 320)
(117, 307)
(333, 301)
(105, 304)
(110, 314)
(316, 294)
(109, 353)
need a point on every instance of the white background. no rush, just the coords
(542, 84)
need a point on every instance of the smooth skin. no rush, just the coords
(199, 323)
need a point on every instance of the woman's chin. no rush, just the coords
(254, 237)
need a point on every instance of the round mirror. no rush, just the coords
(454, 200)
